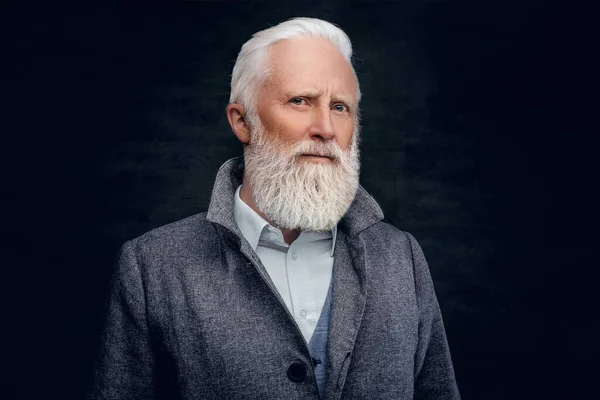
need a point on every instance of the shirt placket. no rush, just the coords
(301, 290)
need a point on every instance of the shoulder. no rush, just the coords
(177, 230)
(396, 249)
(384, 240)
(384, 233)
(177, 240)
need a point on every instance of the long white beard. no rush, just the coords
(295, 193)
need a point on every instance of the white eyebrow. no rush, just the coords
(316, 93)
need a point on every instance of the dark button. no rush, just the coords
(297, 371)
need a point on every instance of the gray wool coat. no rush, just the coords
(193, 315)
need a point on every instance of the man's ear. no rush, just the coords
(236, 115)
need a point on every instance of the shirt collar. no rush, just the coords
(256, 228)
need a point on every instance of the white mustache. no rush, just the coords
(331, 151)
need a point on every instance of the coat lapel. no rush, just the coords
(347, 307)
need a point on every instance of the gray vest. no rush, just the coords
(318, 343)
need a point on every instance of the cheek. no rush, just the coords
(291, 126)
(344, 138)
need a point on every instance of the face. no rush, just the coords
(310, 94)
(302, 162)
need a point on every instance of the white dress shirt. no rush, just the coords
(301, 271)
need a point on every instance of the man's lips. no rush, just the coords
(317, 155)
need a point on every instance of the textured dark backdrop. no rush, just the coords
(116, 125)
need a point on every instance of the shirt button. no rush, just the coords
(303, 313)
(294, 255)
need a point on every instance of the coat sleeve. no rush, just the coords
(124, 368)
(434, 373)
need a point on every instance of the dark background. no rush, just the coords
(475, 140)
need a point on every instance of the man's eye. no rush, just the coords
(340, 107)
(297, 101)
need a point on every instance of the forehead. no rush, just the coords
(309, 63)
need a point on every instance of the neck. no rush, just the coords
(246, 195)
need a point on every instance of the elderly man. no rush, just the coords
(291, 286)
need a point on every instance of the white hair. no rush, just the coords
(251, 69)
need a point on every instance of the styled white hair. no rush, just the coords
(251, 69)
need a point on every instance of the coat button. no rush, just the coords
(296, 371)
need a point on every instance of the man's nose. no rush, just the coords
(322, 125)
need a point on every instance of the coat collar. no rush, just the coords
(363, 212)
